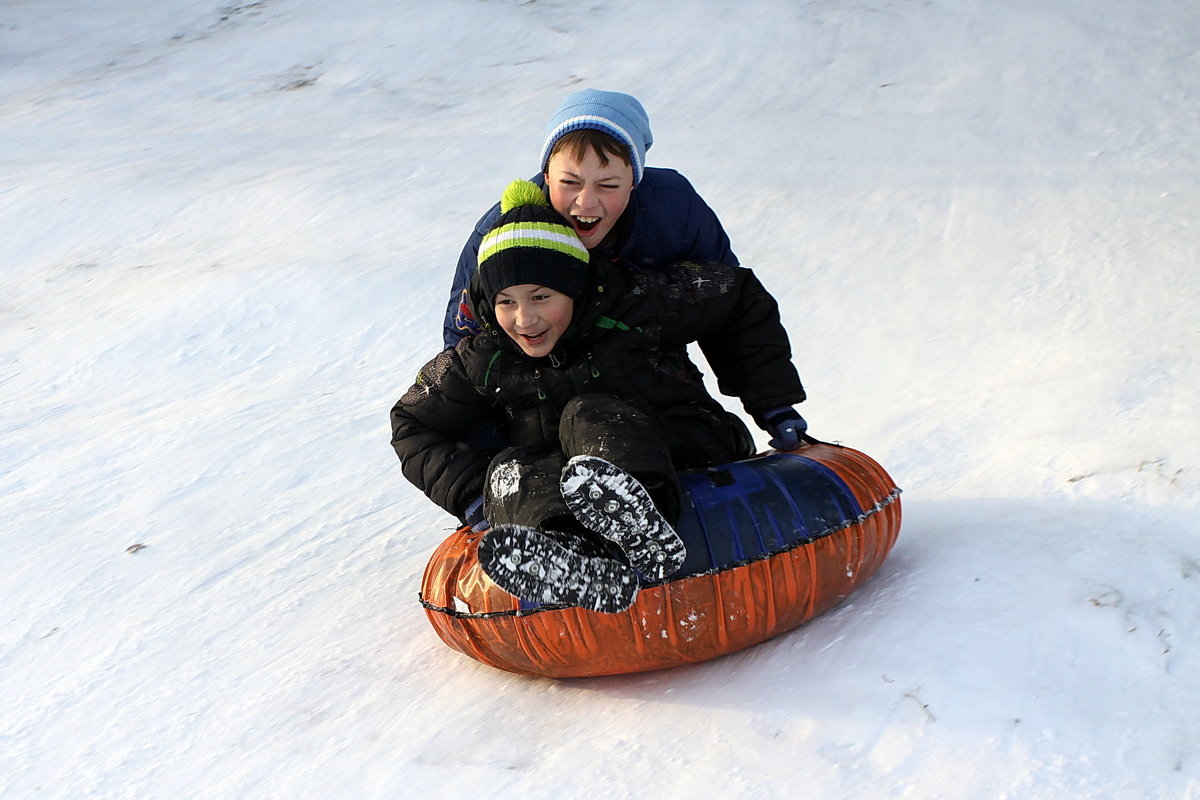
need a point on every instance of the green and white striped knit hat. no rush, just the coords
(531, 243)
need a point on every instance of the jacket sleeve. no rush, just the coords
(430, 424)
(458, 322)
(736, 322)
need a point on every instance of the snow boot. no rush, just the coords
(547, 567)
(608, 500)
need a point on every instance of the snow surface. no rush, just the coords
(228, 233)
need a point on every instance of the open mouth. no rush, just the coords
(586, 224)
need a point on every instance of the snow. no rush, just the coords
(228, 235)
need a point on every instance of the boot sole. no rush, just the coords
(614, 504)
(527, 563)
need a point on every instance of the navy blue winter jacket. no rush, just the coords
(666, 221)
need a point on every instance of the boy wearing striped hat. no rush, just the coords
(588, 366)
(594, 173)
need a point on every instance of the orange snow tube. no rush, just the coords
(772, 541)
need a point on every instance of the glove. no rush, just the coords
(785, 425)
(474, 515)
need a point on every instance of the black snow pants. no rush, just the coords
(522, 484)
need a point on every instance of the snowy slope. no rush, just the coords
(229, 230)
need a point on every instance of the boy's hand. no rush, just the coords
(785, 425)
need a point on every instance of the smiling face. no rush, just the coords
(535, 317)
(589, 193)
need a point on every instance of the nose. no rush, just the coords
(586, 198)
(524, 317)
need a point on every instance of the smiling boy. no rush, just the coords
(534, 317)
(593, 169)
(588, 365)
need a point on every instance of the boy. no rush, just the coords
(588, 364)
(593, 168)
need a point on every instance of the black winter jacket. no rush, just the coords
(628, 337)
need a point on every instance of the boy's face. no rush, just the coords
(534, 316)
(591, 195)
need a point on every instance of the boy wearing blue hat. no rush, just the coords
(587, 364)
(593, 163)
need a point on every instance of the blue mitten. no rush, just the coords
(785, 425)
(474, 515)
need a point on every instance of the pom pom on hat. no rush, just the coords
(531, 243)
(619, 115)
(522, 193)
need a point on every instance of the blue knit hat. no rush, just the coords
(621, 116)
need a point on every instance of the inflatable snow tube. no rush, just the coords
(772, 541)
